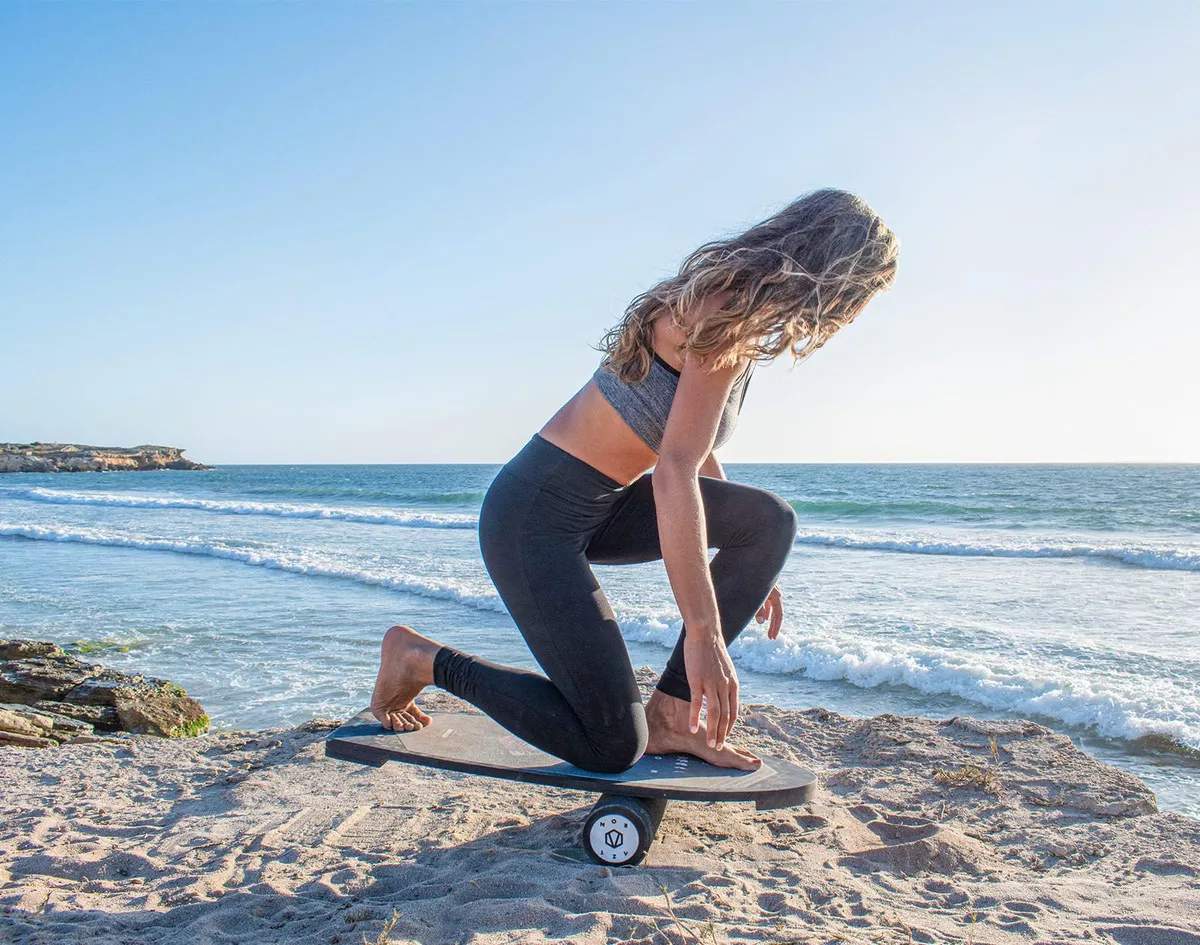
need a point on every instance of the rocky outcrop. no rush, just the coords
(48, 696)
(70, 457)
(20, 725)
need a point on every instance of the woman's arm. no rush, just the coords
(772, 608)
(686, 447)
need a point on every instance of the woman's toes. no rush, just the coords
(736, 758)
(410, 719)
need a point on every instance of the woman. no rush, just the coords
(667, 394)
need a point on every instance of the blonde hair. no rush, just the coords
(793, 280)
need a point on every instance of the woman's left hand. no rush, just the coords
(772, 608)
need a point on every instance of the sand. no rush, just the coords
(920, 832)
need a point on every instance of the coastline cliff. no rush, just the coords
(72, 457)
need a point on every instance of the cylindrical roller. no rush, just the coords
(620, 829)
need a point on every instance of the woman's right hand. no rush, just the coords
(712, 678)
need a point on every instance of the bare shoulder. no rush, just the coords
(669, 336)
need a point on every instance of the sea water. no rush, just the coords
(1067, 594)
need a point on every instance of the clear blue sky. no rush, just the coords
(391, 232)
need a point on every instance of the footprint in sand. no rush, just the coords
(913, 845)
(898, 828)
(1150, 935)
(772, 902)
(802, 823)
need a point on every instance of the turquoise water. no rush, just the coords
(1066, 594)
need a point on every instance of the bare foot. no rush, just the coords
(405, 668)
(667, 718)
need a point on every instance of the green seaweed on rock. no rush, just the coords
(189, 729)
(84, 647)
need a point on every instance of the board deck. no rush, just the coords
(477, 745)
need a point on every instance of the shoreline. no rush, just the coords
(927, 831)
(1170, 770)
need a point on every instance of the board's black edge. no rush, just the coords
(778, 800)
(352, 751)
(347, 750)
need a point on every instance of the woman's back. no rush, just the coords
(646, 404)
(590, 427)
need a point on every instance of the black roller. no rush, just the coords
(620, 829)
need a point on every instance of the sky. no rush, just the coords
(394, 232)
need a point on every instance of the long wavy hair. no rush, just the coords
(793, 280)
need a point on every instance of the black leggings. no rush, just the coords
(546, 517)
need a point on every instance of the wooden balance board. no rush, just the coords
(623, 822)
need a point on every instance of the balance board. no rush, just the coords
(623, 822)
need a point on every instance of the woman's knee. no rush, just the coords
(617, 748)
(772, 520)
(744, 515)
(787, 521)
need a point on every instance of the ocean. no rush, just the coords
(1066, 594)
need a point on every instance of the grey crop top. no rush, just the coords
(646, 405)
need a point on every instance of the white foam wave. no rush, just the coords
(1126, 712)
(274, 558)
(1110, 708)
(369, 516)
(1161, 558)
(1152, 557)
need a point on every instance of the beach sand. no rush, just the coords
(258, 837)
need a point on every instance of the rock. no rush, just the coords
(61, 724)
(26, 741)
(47, 694)
(98, 716)
(42, 677)
(155, 712)
(26, 649)
(101, 691)
(20, 723)
(33, 728)
(320, 724)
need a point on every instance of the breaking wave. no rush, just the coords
(405, 517)
(1158, 557)
(1168, 718)
(270, 557)
(1140, 556)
